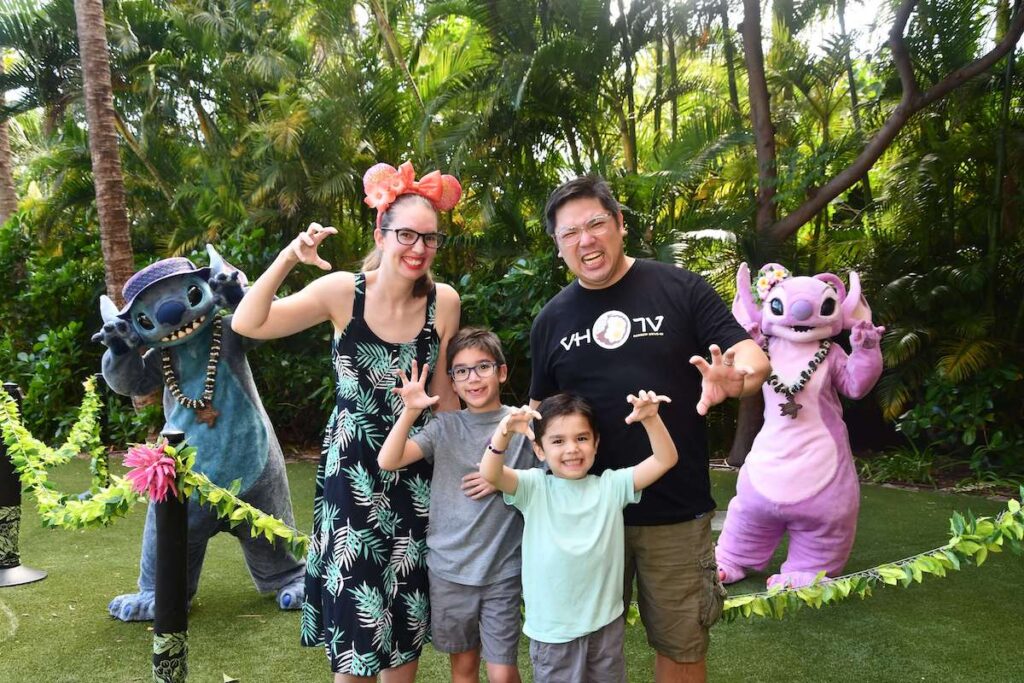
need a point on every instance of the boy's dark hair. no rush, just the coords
(561, 405)
(475, 338)
(585, 186)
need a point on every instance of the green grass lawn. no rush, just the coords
(966, 627)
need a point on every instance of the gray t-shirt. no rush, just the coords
(472, 542)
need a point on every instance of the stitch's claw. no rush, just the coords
(133, 606)
(118, 336)
(228, 288)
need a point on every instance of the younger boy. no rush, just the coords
(473, 543)
(573, 541)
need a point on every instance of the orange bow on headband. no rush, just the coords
(384, 183)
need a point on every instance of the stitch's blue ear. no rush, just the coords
(108, 310)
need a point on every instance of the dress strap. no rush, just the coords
(426, 335)
(359, 297)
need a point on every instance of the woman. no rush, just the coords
(366, 579)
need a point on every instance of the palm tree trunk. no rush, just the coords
(8, 196)
(394, 49)
(854, 104)
(730, 60)
(760, 116)
(115, 234)
(630, 129)
(673, 76)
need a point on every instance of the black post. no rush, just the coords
(101, 472)
(170, 622)
(12, 573)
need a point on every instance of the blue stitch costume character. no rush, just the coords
(174, 309)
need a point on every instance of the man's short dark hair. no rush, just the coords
(583, 187)
(475, 338)
(561, 405)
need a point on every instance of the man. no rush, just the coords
(626, 323)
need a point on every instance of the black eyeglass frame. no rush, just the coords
(470, 369)
(439, 237)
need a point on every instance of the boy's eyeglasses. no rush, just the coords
(460, 373)
(596, 226)
(408, 237)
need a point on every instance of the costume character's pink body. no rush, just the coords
(799, 475)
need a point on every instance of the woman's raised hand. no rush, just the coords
(645, 405)
(413, 391)
(305, 245)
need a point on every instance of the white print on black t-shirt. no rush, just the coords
(612, 329)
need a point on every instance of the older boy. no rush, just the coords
(473, 556)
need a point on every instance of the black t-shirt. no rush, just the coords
(604, 344)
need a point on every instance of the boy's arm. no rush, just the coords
(492, 463)
(399, 450)
(664, 454)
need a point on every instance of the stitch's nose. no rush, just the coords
(170, 312)
(802, 309)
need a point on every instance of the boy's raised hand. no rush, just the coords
(413, 392)
(518, 421)
(645, 405)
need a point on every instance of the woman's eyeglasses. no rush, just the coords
(408, 237)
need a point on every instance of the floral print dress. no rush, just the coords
(366, 574)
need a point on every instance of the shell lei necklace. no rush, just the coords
(203, 405)
(790, 408)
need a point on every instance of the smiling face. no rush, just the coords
(568, 445)
(411, 261)
(598, 261)
(480, 394)
(169, 312)
(802, 309)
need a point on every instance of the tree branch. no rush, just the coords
(912, 101)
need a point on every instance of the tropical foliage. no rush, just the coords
(240, 122)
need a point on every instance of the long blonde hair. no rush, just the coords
(371, 261)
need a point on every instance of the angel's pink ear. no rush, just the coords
(837, 284)
(744, 309)
(855, 307)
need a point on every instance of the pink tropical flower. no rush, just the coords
(152, 471)
(379, 197)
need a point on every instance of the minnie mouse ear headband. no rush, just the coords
(384, 183)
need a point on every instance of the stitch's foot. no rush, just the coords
(133, 606)
(792, 579)
(292, 595)
(730, 574)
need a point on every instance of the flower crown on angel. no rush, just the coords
(769, 276)
(384, 183)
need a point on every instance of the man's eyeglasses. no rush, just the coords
(596, 226)
(460, 373)
(408, 237)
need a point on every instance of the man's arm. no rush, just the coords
(747, 354)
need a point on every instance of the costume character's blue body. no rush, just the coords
(173, 309)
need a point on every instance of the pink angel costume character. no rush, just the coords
(799, 476)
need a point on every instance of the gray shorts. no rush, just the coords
(470, 617)
(595, 658)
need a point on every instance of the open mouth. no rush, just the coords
(801, 328)
(185, 331)
(591, 258)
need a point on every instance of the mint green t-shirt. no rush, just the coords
(573, 547)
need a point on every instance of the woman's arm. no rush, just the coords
(260, 316)
(447, 321)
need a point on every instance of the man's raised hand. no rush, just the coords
(721, 379)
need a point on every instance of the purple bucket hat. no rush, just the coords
(155, 272)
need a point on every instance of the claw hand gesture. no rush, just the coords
(645, 405)
(305, 245)
(720, 380)
(413, 391)
(519, 421)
